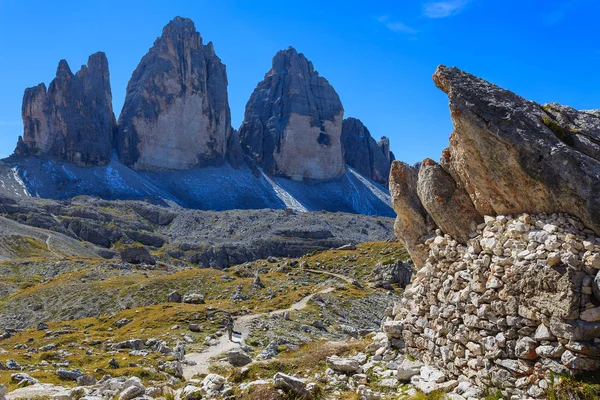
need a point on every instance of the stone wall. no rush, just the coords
(519, 300)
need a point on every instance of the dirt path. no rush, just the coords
(49, 248)
(342, 277)
(202, 360)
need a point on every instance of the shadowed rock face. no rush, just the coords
(293, 121)
(73, 119)
(176, 112)
(363, 153)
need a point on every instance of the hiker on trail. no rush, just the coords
(229, 327)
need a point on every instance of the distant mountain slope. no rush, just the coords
(209, 188)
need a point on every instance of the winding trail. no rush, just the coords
(342, 277)
(202, 360)
(49, 248)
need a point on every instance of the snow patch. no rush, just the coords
(286, 197)
(19, 181)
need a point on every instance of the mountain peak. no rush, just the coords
(63, 68)
(178, 26)
(73, 119)
(176, 112)
(298, 134)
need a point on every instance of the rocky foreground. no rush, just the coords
(512, 307)
(504, 231)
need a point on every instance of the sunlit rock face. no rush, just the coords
(73, 119)
(293, 122)
(176, 112)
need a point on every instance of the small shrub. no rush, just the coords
(437, 395)
(262, 392)
(494, 394)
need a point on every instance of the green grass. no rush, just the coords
(437, 395)
(358, 263)
(130, 294)
(585, 386)
(494, 394)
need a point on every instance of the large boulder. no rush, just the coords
(343, 365)
(238, 357)
(35, 391)
(176, 112)
(292, 385)
(73, 119)
(193, 298)
(361, 152)
(413, 225)
(293, 121)
(507, 156)
(448, 204)
(137, 255)
(512, 155)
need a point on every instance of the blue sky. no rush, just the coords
(378, 55)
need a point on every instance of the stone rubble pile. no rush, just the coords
(212, 386)
(520, 300)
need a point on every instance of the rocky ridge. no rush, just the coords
(174, 141)
(293, 121)
(361, 152)
(72, 119)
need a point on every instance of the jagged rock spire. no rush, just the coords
(293, 121)
(72, 119)
(176, 113)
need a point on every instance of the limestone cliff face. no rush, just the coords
(73, 119)
(176, 112)
(293, 121)
(361, 152)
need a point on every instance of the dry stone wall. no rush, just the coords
(519, 301)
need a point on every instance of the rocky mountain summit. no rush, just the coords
(176, 112)
(73, 119)
(293, 121)
(361, 152)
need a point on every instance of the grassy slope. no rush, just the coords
(115, 294)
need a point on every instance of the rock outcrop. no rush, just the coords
(413, 225)
(447, 203)
(293, 122)
(176, 112)
(507, 155)
(361, 152)
(73, 119)
(512, 155)
(502, 301)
